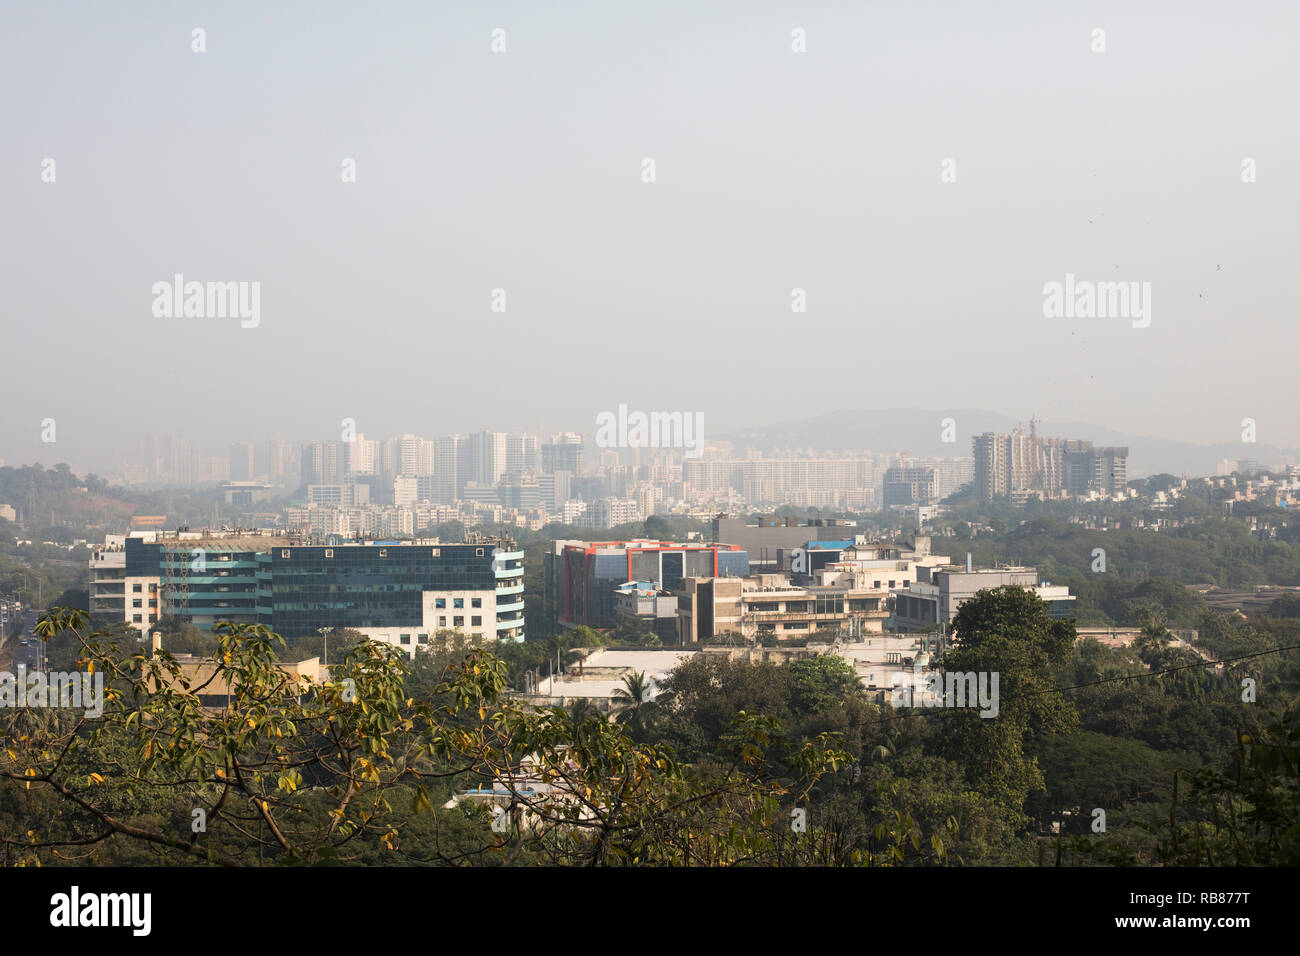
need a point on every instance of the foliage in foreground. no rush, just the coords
(348, 771)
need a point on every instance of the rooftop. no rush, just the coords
(244, 542)
(638, 660)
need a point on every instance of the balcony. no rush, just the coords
(765, 617)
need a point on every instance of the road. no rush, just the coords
(31, 654)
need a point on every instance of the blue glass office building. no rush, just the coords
(363, 586)
(201, 581)
(299, 589)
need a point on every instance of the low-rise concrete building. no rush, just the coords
(933, 600)
(599, 673)
(841, 604)
(647, 600)
(202, 678)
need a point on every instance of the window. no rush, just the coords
(440, 604)
(383, 552)
(405, 638)
(137, 588)
(476, 621)
(458, 602)
(137, 603)
(329, 552)
(478, 552)
(284, 553)
(458, 621)
(422, 638)
(442, 621)
(476, 602)
(891, 584)
(436, 552)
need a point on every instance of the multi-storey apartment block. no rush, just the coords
(1020, 465)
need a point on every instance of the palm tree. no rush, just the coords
(1153, 639)
(581, 710)
(632, 702)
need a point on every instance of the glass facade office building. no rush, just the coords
(297, 589)
(199, 582)
(363, 586)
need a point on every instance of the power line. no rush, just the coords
(932, 712)
(1204, 662)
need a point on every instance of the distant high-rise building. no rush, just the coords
(346, 494)
(563, 453)
(185, 462)
(153, 458)
(447, 453)
(487, 457)
(1076, 468)
(608, 512)
(1021, 464)
(320, 463)
(522, 454)
(212, 468)
(359, 455)
(910, 485)
(950, 473)
(242, 467)
(408, 455)
(1110, 470)
(279, 461)
(807, 482)
(1003, 463)
(408, 489)
(556, 488)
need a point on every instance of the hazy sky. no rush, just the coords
(523, 170)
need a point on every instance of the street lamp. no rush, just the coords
(325, 657)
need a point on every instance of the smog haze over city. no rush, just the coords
(921, 176)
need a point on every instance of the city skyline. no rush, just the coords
(943, 440)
